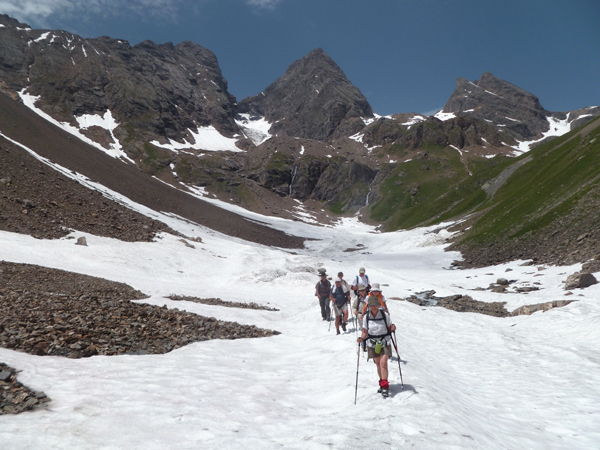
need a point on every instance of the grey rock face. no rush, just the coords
(502, 103)
(580, 116)
(528, 310)
(153, 91)
(312, 100)
(461, 131)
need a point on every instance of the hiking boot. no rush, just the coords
(385, 393)
(344, 326)
(338, 331)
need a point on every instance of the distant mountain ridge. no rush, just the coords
(309, 147)
(167, 94)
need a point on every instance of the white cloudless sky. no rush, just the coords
(404, 55)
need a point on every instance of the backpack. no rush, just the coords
(323, 289)
(381, 303)
(378, 336)
(344, 294)
(366, 276)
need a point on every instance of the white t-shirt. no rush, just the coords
(364, 280)
(377, 327)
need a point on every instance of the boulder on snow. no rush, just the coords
(530, 309)
(580, 280)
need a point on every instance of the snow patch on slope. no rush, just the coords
(257, 130)
(557, 128)
(204, 138)
(444, 116)
(414, 120)
(87, 120)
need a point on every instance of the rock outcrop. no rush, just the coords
(461, 132)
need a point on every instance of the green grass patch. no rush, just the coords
(445, 188)
(543, 190)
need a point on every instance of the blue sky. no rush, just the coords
(404, 55)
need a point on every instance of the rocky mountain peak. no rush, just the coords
(313, 99)
(318, 64)
(10, 22)
(508, 91)
(515, 110)
(489, 91)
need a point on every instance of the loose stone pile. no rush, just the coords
(14, 397)
(41, 202)
(52, 312)
(219, 302)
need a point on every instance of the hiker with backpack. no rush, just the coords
(376, 291)
(344, 282)
(340, 297)
(377, 333)
(323, 291)
(361, 278)
(360, 302)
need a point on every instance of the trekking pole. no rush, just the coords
(352, 315)
(357, 363)
(398, 354)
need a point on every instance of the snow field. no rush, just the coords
(471, 381)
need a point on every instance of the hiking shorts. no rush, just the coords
(339, 310)
(387, 350)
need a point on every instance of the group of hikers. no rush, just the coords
(371, 312)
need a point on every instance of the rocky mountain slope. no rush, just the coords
(153, 92)
(308, 147)
(542, 206)
(32, 189)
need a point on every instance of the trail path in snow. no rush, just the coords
(471, 381)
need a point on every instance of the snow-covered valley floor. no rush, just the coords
(471, 381)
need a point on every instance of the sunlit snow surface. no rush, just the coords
(415, 119)
(471, 381)
(557, 128)
(204, 138)
(256, 129)
(444, 116)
